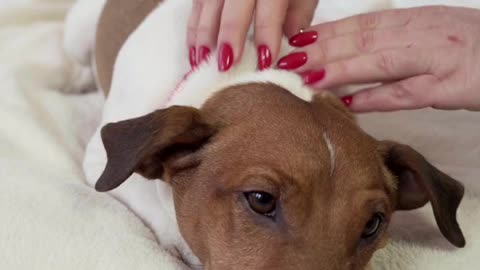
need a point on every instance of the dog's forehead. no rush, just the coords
(266, 124)
(255, 101)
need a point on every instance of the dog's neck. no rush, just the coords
(205, 80)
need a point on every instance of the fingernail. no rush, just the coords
(347, 100)
(303, 39)
(225, 57)
(203, 54)
(264, 57)
(293, 61)
(193, 56)
(312, 77)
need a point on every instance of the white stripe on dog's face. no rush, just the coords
(331, 151)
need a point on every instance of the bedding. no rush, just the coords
(50, 219)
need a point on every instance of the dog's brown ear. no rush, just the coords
(143, 144)
(419, 182)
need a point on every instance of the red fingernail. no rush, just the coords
(293, 61)
(203, 54)
(312, 77)
(264, 57)
(347, 100)
(193, 56)
(225, 57)
(303, 39)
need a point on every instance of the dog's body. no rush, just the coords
(140, 56)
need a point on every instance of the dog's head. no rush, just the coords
(264, 180)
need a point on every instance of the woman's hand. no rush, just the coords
(225, 23)
(424, 57)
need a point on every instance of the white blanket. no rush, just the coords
(51, 220)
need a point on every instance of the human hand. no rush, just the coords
(225, 23)
(423, 57)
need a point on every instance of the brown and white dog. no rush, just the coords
(257, 171)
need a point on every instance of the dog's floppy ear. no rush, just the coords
(419, 182)
(142, 144)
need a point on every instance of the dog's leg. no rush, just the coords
(79, 41)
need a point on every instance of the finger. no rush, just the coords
(299, 16)
(408, 18)
(269, 18)
(369, 21)
(193, 22)
(381, 66)
(236, 19)
(192, 31)
(370, 41)
(207, 30)
(412, 93)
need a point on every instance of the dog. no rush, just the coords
(245, 169)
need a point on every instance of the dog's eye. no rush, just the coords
(373, 226)
(261, 202)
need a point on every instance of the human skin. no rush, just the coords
(423, 57)
(224, 24)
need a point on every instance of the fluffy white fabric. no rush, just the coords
(49, 218)
(52, 220)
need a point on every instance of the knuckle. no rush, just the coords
(366, 41)
(201, 29)
(402, 90)
(230, 26)
(387, 63)
(369, 20)
(323, 51)
(411, 16)
(265, 26)
(326, 30)
(403, 17)
(330, 30)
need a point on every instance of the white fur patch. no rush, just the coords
(331, 151)
(207, 80)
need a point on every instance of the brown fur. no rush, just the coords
(260, 137)
(118, 20)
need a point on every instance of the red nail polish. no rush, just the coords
(193, 56)
(293, 61)
(312, 77)
(203, 54)
(264, 57)
(225, 57)
(347, 100)
(303, 39)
